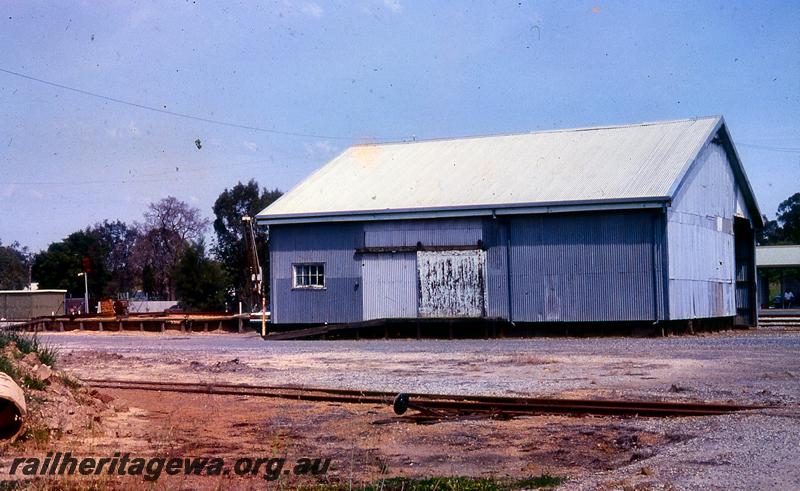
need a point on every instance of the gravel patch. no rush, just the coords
(751, 367)
(753, 450)
(732, 452)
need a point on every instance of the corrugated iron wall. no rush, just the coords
(565, 267)
(584, 267)
(332, 244)
(29, 304)
(495, 237)
(390, 285)
(391, 288)
(574, 267)
(358, 286)
(702, 277)
(428, 232)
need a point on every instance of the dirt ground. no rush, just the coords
(366, 444)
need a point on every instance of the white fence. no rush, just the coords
(143, 306)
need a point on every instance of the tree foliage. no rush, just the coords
(230, 206)
(786, 228)
(14, 263)
(107, 245)
(59, 266)
(201, 284)
(116, 239)
(771, 232)
(789, 218)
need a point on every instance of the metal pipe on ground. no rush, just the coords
(437, 403)
(12, 408)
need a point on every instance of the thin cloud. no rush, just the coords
(393, 5)
(320, 148)
(312, 9)
(8, 191)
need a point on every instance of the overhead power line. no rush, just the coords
(274, 131)
(183, 115)
(183, 171)
(769, 147)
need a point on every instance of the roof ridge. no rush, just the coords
(537, 132)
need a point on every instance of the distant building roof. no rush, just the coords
(778, 256)
(639, 163)
(34, 292)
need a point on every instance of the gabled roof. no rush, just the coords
(787, 256)
(612, 166)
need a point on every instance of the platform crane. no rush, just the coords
(255, 276)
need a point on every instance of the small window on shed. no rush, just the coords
(309, 275)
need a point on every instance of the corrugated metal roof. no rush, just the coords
(638, 162)
(774, 256)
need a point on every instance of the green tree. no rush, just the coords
(771, 233)
(14, 263)
(116, 240)
(230, 206)
(148, 281)
(200, 283)
(785, 229)
(789, 218)
(59, 265)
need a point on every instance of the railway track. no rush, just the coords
(442, 405)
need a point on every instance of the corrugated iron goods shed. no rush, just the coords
(646, 222)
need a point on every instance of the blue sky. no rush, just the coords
(355, 71)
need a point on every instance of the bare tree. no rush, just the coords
(169, 228)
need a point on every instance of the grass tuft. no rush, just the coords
(458, 483)
(25, 343)
(70, 382)
(543, 481)
(39, 435)
(47, 355)
(34, 383)
(30, 343)
(440, 484)
(7, 367)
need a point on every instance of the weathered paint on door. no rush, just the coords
(451, 283)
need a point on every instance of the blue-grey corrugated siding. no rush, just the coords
(390, 280)
(430, 232)
(660, 266)
(332, 244)
(495, 238)
(565, 267)
(390, 285)
(587, 267)
(702, 258)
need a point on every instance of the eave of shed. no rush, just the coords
(783, 256)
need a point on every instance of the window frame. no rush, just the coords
(318, 274)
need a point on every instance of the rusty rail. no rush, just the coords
(455, 404)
